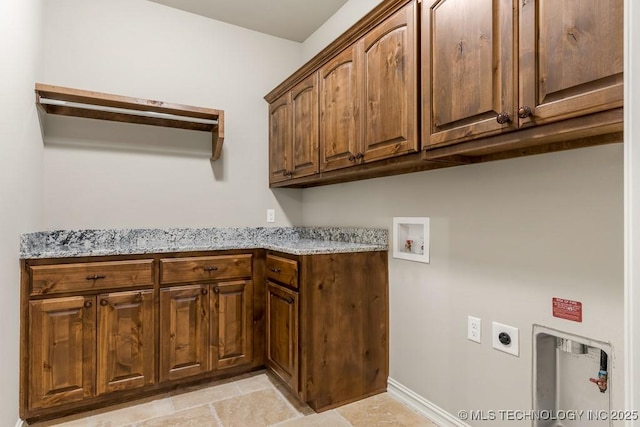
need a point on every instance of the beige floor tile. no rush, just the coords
(301, 407)
(382, 410)
(257, 409)
(202, 396)
(126, 415)
(325, 419)
(200, 416)
(256, 382)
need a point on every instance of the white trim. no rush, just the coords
(422, 406)
(19, 423)
(631, 208)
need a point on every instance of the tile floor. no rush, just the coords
(251, 400)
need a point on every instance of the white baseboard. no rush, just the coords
(421, 405)
(19, 423)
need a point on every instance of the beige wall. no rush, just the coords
(506, 237)
(20, 174)
(106, 175)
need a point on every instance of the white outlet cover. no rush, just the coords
(474, 329)
(514, 346)
(271, 215)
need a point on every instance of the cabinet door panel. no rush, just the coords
(61, 351)
(340, 132)
(184, 317)
(571, 57)
(305, 132)
(231, 337)
(468, 69)
(280, 138)
(126, 344)
(390, 85)
(282, 333)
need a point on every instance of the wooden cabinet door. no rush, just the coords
(231, 337)
(282, 333)
(305, 133)
(390, 87)
(126, 344)
(184, 320)
(571, 58)
(468, 69)
(340, 95)
(280, 139)
(61, 351)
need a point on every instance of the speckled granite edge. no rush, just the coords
(294, 240)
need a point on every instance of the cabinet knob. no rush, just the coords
(503, 118)
(359, 156)
(524, 112)
(210, 268)
(289, 300)
(204, 291)
(275, 270)
(96, 277)
(104, 302)
(216, 290)
(88, 304)
(352, 158)
(287, 173)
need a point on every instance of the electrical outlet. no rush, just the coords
(505, 338)
(474, 329)
(271, 215)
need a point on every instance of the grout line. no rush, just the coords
(215, 415)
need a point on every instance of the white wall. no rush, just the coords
(506, 237)
(100, 174)
(20, 174)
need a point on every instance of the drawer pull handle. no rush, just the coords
(275, 270)
(88, 304)
(104, 302)
(204, 291)
(96, 277)
(210, 268)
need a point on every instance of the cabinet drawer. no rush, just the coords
(194, 269)
(282, 270)
(87, 276)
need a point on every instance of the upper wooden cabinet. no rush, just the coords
(368, 98)
(293, 132)
(571, 58)
(482, 77)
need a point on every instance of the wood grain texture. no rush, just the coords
(62, 351)
(344, 327)
(282, 270)
(184, 328)
(390, 86)
(571, 58)
(280, 139)
(340, 98)
(282, 334)
(230, 330)
(468, 66)
(305, 131)
(126, 341)
(78, 277)
(209, 268)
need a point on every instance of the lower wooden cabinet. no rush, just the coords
(319, 322)
(282, 334)
(61, 351)
(126, 341)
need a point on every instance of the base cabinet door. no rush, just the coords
(126, 344)
(231, 328)
(282, 333)
(184, 318)
(61, 350)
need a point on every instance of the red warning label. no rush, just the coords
(567, 309)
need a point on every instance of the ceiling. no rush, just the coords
(290, 19)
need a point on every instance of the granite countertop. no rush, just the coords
(292, 240)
